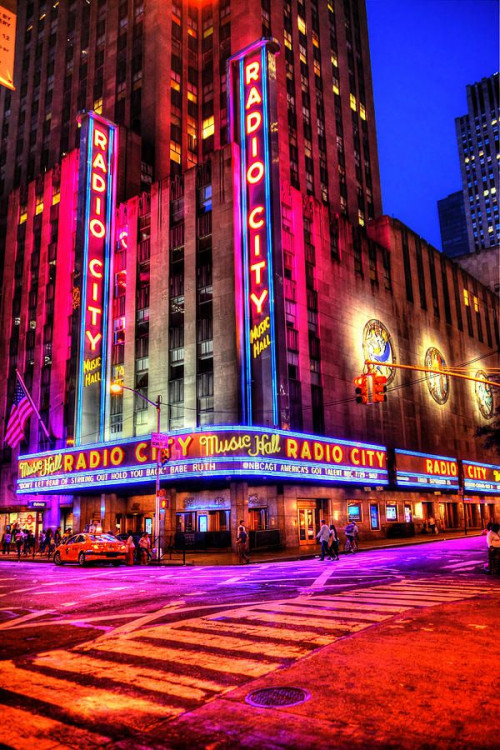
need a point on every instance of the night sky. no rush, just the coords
(424, 53)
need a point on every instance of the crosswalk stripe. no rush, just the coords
(319, 622)
(95, 704)
(215, 622)
(200, 659)
(333, 613)
(442, 595)
(390, 599)
(228, 643)
(344, 603)
(176, 685)
(20, 730)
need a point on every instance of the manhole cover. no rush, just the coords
(281, 696)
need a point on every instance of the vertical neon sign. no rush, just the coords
(95, 230)
(256, 246)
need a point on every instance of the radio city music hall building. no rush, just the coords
(217, 240)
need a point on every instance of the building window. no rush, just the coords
(468, 312)
(458, 303)
(446, 294)
(420, 273)
(407, 266)
(434, 289)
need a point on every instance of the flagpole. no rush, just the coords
(37, 413)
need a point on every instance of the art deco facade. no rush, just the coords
(345, 284)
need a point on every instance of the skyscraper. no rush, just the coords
(453, 225)
(243, 287)
(477, 138)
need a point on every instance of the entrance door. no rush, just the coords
(307, 526)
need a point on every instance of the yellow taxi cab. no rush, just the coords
(85, 548)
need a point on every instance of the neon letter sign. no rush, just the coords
(249, 72)
(96, 206)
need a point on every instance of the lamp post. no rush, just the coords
(117, 388)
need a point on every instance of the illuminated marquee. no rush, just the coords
(252, 72)
(96, 204)
(481, 477)
(426, 471)
(228, 451)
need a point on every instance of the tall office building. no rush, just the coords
(453, 225)
(477, 138)
(240, 290)
(158, 68)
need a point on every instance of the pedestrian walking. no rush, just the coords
(351, 534)
(6, 540)
(48, 542)
(19, 540)
(145, 546)
(323, 536)
(130, 544)
(333, 543)
(242, 543)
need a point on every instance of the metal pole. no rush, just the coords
(157, 498)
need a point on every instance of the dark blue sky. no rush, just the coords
(424, 53)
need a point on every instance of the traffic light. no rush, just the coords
(361, 384)
(379, 388)
(164, 456)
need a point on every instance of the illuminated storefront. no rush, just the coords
(214, 475)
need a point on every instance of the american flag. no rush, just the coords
(21, 411)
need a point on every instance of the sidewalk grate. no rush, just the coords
(281, 696)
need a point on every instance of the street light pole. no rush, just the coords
(117, 388)
(157, 496)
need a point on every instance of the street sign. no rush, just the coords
(158, 440)
(37, 504)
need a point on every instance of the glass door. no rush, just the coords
(306, 526)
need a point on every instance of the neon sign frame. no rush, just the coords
(407, 477)
(487, 477)
(249, 72)
(95, 233)
(223, 451)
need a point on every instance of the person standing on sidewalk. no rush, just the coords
(130, 545)
(145, 546)
(432, 525)
(6, 542)
(323, 536)
(242, 543)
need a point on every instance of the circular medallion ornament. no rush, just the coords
(377, 347)
(438, 384)
(484, 395)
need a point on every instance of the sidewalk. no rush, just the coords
(292, 554)
(309, 552)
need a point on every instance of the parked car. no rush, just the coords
(85, 548)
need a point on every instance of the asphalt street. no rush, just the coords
(120, 657)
